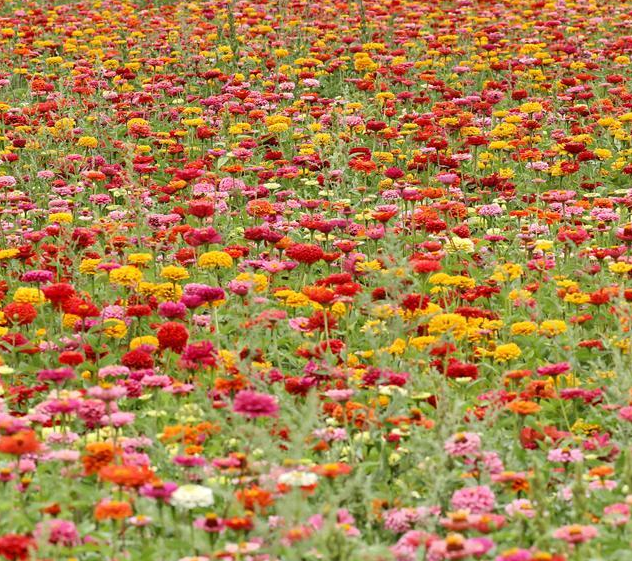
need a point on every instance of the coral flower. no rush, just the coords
(20, 443)
(576, 533)
(332, 470)
(112, 510)
(319, 294)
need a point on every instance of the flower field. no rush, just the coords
(292, 280)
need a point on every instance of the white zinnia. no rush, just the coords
(192, 496)
(298, 478)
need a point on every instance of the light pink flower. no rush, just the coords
(576, 533)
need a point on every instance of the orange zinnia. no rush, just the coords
(126, 476)
(522, 407)
(238, 523)
(601, 471)
(254, 496)
(112, 510)
(20, 443)
(98, 454)
(332, 470)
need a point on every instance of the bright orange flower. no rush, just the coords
(98, 455)
(126, 476)
(112, 510)
(253, 497)
(523, 407)
(20, 443)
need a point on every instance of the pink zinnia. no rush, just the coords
(493, 209)
(617, 514)
(199, 355)
(159, 491)
(575, 533)
(565, 455)
(625, 413)
(463, 444)
(406, 547)
(394, 173)
(253, 404)
(118, 419)
(39, 276)
(400, 520)
(515, 555)
(477, 500)
(455, 546)
(58, 532)
(340, 395)
(520, 507)
(554, 369)
(58, 375)
(447, 178)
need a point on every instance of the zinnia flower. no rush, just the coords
(477, 500)
(463, 444)
(189, 497)
(576, 533)
(172, 335)
(252, 404)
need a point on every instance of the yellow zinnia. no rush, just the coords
(506, 352)
(127, 275)
(215, 259)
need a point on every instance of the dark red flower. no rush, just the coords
(16, 546)
(137, 359)
(458, 369)
(394, 173)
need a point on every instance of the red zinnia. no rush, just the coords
(15, 546)
(305, 253)
(138, 310)
(172, 335)
(79, 307)
(20, 313)
(201, 209)
(71, 358)
(319, 294)
(137, 360)
(58, 292)
(426, 266)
